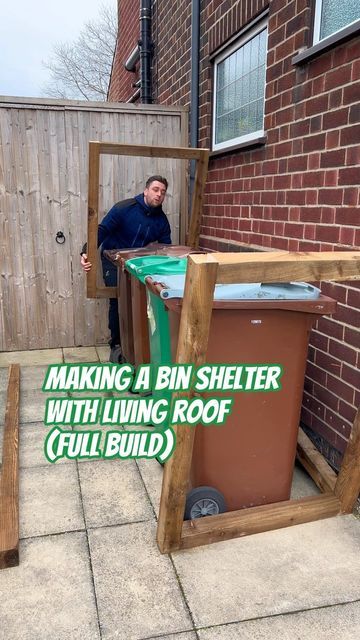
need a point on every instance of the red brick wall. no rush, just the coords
(121, 88)
(171, 62)
(297, 192)
(300, 190)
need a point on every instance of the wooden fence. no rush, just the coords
(43, 190)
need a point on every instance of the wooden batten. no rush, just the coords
(315, 464)
(198, 195)
(93, 216)
(9, 483)
(106, 292)
(96, 149)
(148, 151)
(347, 486)
(235, 524)
(184, 213)
(281, 266)
(192, 347)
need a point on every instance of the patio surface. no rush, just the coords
(90, 567)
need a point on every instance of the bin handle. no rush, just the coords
(150, 269)
(155, 287)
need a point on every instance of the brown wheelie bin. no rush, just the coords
(249, 459)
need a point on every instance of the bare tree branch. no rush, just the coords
(81, 69)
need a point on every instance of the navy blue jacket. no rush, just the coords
(131, 223)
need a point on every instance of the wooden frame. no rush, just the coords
(96, 149)
(9, 481)
(203, 272)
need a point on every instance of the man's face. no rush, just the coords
(155, 194)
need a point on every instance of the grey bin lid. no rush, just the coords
(175, 284)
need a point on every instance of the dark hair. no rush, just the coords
(158, 179)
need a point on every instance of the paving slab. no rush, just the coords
(32, 405)
(32, 377)
(31, 358)
(340, 622)
(151, 473)
(80, 354)
(4, 375)
(50, 500)
(103, 352)
(138, 593)
(302, 484)
(302, 567)
(187, 635)
(31, 445)
(112, 493)
(50, 594)
(95, 427)
(32, 399)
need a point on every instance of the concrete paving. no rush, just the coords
(339, 622)
(90, 567)
(113, 493)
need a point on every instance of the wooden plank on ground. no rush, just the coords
(192, 347)
(9, 483)
(347, 486)
(315, 464)
(284, 266)
(235, 524)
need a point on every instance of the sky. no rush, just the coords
(28, 29)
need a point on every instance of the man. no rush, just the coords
(130, 223)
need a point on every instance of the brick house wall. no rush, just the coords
(300, 190)
(121, 83)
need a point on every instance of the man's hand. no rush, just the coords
(86, 266)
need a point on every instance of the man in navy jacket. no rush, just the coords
(130, 223)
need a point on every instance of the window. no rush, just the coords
(333, 15)
(239, 89)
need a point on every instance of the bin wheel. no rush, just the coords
(204, 501)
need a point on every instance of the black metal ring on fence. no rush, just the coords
(60, 238)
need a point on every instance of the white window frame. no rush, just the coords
(249, 35)
(317, 23)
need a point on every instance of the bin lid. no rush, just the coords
(174, 288)
(154, 248)
(144, 266)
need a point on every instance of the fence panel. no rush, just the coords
(43, 191)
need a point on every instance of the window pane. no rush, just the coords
(337, 14)
(240, 90)
(224, 129)
(254, 52)
(262, 46)
(246, 50)
(220, 102)
(220, 76)
(226, 64)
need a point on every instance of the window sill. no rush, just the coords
(256, 142)
(328, 43)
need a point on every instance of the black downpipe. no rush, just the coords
(145, 51)
(194, 90)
